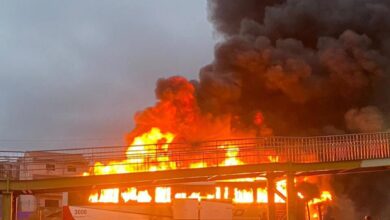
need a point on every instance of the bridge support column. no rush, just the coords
(7, 206)
(291, 197)
(271, 197)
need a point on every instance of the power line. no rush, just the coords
(61, 140)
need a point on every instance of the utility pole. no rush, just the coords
(291, 197)
(7, 202)
(271, 196)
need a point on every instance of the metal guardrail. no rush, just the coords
(75, 162)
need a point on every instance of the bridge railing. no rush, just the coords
(104, 160)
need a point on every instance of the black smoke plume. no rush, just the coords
(305, 64)
(309, 67)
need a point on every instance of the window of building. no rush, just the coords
(50, 167)
(52, 203)
(71, 169)
(2, 172)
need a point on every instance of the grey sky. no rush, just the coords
(73, 73)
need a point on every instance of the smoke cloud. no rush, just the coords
(304, 64)
(310, 67)
(285, 67)
(367, 119)
(177, 111)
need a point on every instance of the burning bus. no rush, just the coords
(240, 198)
(188, 201)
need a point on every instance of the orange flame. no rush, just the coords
(144, 197)
(130, 194)
(144, 148)
(325, 196)
(106, 196)
(231, 156)
(262, 196)
(273, 159)
(152, 147)
(243, 196)
(163, 195)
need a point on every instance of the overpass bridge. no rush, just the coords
(266, 156)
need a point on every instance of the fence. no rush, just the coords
(154, 157)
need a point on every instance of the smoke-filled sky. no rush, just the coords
(75, 72)
(283, 67)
